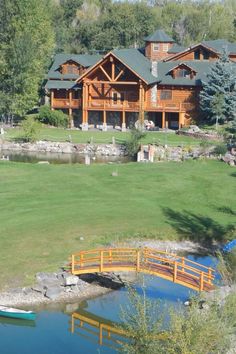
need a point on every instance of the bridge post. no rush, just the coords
(175, 272)
(138, 261)
(209, 275)
(183, 264)
(101, 261)
(201, 287)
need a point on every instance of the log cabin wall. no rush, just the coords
(155, 51)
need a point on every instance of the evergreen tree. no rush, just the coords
(218, 96)
(26, 44)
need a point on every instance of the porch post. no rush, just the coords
(52, 99)
(141, 103)
(123, 127)
(163, 120)
(71, 121)
(104, 128)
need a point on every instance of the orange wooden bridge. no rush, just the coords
(162, 264)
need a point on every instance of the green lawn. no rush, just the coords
(45, 209)
(77, 136)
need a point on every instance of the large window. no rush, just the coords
(71, 69)
(166, 95)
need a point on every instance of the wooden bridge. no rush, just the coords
(162, 264)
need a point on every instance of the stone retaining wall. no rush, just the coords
(66, 148)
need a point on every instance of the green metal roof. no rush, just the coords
(200, 67)
(219, 44)
(137, 62)
(176, 49)
(159, 36)
(61, 84)
(85, 60)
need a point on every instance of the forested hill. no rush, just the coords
(87, 25)
(32, 31)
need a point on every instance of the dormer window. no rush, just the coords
(165, 47)
(155, 47)
(71, 69)
(182, 73)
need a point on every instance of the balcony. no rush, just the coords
(66, 103)
(113, 106)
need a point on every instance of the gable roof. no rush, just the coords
(189, 49)
(86, 60)
(137, 62)
(159, 36)
(201, 68)
(134, 60)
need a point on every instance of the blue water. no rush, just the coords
(51, 333)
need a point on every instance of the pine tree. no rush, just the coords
(218, 96)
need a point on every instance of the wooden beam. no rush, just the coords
(119, 75)
(105, 73)
(115, 82)
(113, 71)
(104, 117)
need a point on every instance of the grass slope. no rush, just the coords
(45, 209)
(77, 136)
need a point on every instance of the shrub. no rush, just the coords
(31, 129)
(220, 149)
(133, 144)
(55, 118)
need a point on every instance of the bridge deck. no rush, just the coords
(164, 265)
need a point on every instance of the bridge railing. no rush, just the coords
(166, 265)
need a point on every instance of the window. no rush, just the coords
(117, 97)
(155, 47)
(71, 69)
(182, 73)
(166, 95)
(197, 55)
(205, 55)
(165, 47)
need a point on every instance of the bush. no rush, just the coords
(133, 144)
(31, 129)
(55, 118)
(220, 149)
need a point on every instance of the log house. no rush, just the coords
(160, 83)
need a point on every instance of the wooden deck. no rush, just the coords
(165, 265)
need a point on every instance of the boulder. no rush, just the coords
(54, 292)
(70, 279)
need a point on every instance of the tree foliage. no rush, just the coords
(218, 96)
(26, 44)
(187, 331)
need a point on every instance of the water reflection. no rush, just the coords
(57, 158)
(16, 322)
(97, 328)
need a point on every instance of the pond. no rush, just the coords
(58, 158)
(86, 327)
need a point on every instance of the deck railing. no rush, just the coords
(162, 264)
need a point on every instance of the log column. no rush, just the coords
(141, 103)
(71, 121)
(52, 100)
(123, 127)
(163, 120)
(104, 128)
(84, 108)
